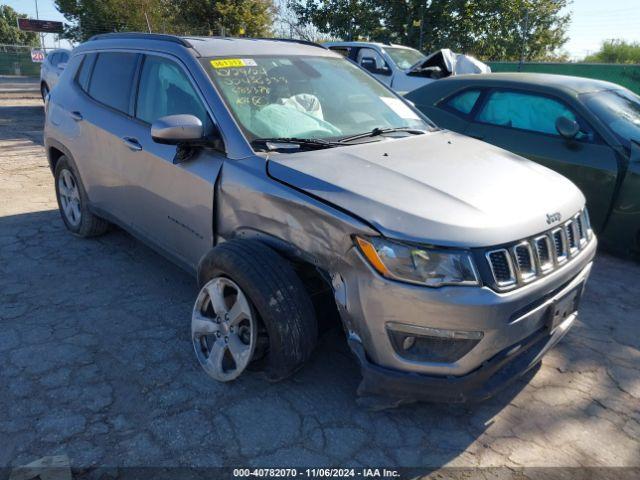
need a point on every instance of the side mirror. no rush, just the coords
(567, 128)
(369, 64)
(177, 129)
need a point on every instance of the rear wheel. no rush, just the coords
(73, 202)
(252, 307)
(44, 90)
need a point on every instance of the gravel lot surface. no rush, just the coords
(96, 364)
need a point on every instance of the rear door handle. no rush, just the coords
(77, 116)
(477, 137)
(132, 143)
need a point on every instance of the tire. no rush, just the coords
(82, 223)
(284, 308)
(44, 91)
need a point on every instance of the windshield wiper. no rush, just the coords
(291, 143)
(376, 132)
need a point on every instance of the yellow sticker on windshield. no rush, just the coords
(233, 62)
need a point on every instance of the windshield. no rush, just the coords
(404, 57)
(619, 110)
(307, 97)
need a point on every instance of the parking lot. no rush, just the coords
(96, 363)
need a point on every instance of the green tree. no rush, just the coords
(489, 29)
(10, 33)
(616, 51)
(191, 17)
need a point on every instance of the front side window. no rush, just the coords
(64, 57)
(464, 102)
(164, 90)
(307, 96)
(404, 57)
(53, 59)
(525, 111)
(619, 110)
(112, 79)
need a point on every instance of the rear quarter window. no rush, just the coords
(84, 72)
(112, 79)
(463, 102)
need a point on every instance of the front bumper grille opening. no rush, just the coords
(524, 261)
(430, 349)
(502, 267)
(572, 236)
(560, 245)
(543, 252)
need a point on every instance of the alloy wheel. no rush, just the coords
(69, 197)
(223, 329)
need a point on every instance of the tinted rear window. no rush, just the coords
(112, 79)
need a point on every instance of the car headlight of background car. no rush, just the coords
(417, 264)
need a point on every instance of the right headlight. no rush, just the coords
(418, 264)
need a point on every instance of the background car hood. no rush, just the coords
(440, 188)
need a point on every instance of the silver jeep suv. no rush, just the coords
(291, 182)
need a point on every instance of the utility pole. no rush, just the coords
(147, 19)
(525, 38)
(41, 34)
(421, 25)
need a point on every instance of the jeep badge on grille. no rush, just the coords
(553, 217)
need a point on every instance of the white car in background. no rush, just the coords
(52, 68)
(404, 68)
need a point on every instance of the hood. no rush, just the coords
(450, 63)
(439, 188)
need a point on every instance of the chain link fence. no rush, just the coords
(16, 60)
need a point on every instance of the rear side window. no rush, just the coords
(165, 89)
(64, 57)
(525, 111)
(84, 72)
(53, 59)
(463, 102)
(112, 79)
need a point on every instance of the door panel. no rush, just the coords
(172, 204)
(528, 129)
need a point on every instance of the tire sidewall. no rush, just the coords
(283, 350)
(64, 163)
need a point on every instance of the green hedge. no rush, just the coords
(625, 75)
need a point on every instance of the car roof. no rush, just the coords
(566, 83)
(365, 44)
(209, 46)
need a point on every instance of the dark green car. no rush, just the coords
(584, 129)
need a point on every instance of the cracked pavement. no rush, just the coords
(96, 364)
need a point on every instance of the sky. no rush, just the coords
(592, 22)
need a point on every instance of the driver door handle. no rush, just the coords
(132, 143)
(77, 116)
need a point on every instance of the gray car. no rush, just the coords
(51, 69)
(292, 184)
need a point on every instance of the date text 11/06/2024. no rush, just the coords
(316, 473)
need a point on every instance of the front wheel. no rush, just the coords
(252, 308)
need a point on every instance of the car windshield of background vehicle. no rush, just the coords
(307, 97)
(404, 57)
(619, 110)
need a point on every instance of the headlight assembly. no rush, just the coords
(417, 264)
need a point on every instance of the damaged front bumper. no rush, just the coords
(517, 328)
(494, 374)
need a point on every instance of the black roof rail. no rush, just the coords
(292, 40)
(142, 36)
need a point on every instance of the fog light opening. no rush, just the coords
(431, 344)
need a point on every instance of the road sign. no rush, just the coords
(37, 56)
(44, 26)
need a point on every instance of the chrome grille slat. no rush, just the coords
(532, 258)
